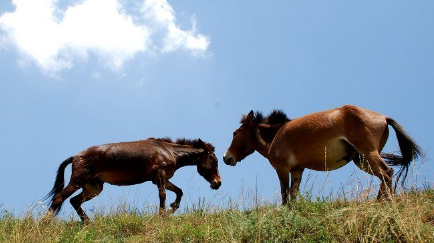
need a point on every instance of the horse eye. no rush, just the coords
(235, 133)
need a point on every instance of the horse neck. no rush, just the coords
(264, 137)
(186, 156)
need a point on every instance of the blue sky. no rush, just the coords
(82, 73)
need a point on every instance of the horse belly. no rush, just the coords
(330, 156)
(123, 178)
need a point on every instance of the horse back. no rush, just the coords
(125, 156)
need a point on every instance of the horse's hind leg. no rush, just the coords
(373, 164)
(175, 205)
(90, 190)
(62, 196)
(367, 132)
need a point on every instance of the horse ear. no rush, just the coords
(249, 118)
(202, 144)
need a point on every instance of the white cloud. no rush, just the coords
(56, 38)
(161, 13)
(2, 42)
(96, 74)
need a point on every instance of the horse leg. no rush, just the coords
(90, 190)
(373, 164)
(284, 184)
(296, 175)
(175, 205)
(160, 181)
(62, 196)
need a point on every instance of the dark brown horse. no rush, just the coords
(323, 141)
(130, 163)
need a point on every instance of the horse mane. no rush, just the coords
(195, 143)
(274, 118)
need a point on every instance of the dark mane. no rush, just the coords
(165, 139)
(274, 118)
(190, 142)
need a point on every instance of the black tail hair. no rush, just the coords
(409, 151)
(59, 183)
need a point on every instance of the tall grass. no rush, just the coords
(321, 214)
(408, 218)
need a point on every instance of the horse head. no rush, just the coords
(207, 166)
(242, 142)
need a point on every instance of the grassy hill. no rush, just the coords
(408, 218)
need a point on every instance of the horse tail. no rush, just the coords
(409, 151)
(59, 183)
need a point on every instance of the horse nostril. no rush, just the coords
(227, 159)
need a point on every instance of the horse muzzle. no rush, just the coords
(216, 184)
(229, 159)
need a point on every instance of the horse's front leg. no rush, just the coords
(175, 205)
(160, 181)
(296, 175)
(284, 184)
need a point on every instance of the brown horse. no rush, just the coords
(130, 163)
(323, 141)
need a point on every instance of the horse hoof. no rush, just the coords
(162, 213)
(171, 210)
(86, 222)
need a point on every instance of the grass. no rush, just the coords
(408, 218)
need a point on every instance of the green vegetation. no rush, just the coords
(408, 218)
